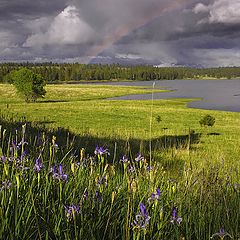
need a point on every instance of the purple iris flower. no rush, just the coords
(236, 185)
(98, 196)
(149, 168)
(131, 169)
(222, 234)
(96, 150)
(139, 158)
(175, 219)
(142, 218)
(15, 145)
(85, 194)
(124, 159)
(101, 151)
(155, 196)
(21, 167)
(71, 211)
(3, 159)
(52, 169)
(23, 142)
(102, 181)
(55, 145)
(143, 210)
(58, 172)
(38, 165)
(6, 184)
(24, 155)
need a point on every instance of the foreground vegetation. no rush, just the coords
(59, 182)
(54, 192)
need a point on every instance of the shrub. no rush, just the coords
(207, 120)
(158, 118)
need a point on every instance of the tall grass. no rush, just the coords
(55, 183)
(51, 190)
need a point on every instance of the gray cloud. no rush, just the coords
(190, 32)
(220, 11)
(66, 28)
(27, 9)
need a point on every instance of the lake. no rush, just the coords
(221, 95)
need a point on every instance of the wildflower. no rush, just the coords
(142, 218)
(102, 181)
(175, 219)
(3, 159)
(124, 159)
(54, 144)
(23, 142)
(96, 150)
(71, 211)
(236, 185)
(98, 196)
(101, 151)
(58, 173)
(172, 180)
(131, 169)
(6, 184)
(15, 145)
(149, 168)
(85, 194)
(155, 196)
(24, 155)
(221, 234)
(139, 158)
(21, 167)
(38, 165)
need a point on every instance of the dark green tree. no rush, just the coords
(207, 120)
(29, 85)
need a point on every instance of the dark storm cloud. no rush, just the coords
(191, 32)
(12, 9)
(187, 37)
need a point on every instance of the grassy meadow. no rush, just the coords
(186, 187)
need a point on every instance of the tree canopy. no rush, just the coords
(55, 72)
(29, 85)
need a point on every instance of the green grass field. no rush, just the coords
(82, 109)
(196, 168)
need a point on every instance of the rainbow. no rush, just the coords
(127, 28)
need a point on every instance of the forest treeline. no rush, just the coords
(53, 72)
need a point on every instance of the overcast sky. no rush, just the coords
(160, 32)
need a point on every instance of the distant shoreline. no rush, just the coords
(115, 81)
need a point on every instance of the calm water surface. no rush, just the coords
(214, 94)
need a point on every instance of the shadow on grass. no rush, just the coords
(44, 122)
(66, 140)
(53, 101)
(213, 134)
